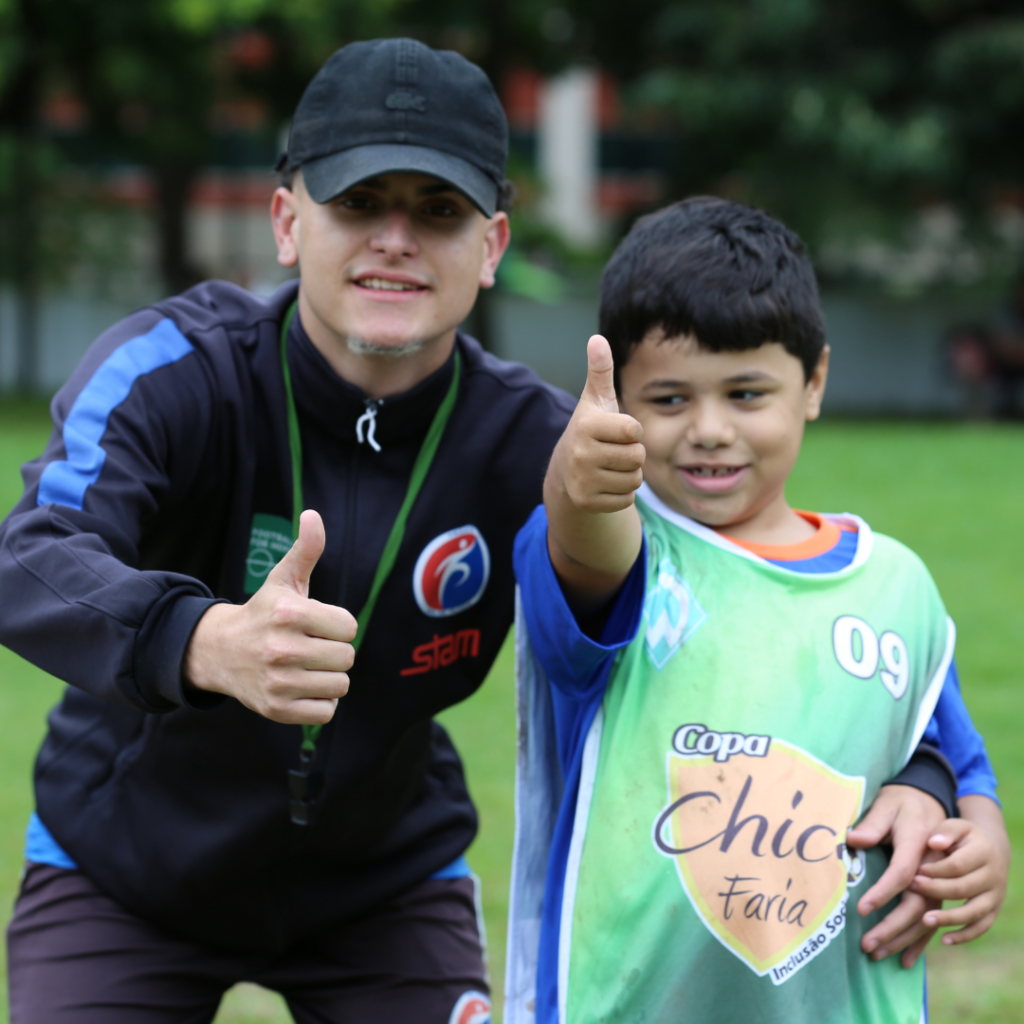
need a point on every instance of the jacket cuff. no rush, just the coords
(160, 648)
(929, 771)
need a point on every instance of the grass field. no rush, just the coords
(953, 493)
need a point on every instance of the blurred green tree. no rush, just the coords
(842, 116)
(20, 56)
(154, 76)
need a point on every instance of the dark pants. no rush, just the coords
(75, 956)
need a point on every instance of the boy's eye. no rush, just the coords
(668, 400)
(745, 395)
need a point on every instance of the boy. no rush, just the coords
(732, 681)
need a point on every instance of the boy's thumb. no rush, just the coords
(294, 570)
(600, 386)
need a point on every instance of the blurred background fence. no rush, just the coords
(137, 139)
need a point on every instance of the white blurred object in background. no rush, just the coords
(567, 155)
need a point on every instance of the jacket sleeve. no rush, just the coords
(929, 771)
(129, 431)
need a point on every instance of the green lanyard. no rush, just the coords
(419, 473)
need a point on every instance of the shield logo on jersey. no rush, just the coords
(672, 613)
(451, 573)
(758, 840)
(472, 1008)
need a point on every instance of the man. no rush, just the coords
(209, 808)
(181, 842)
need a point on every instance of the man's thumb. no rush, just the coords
(294, 570)
(600, 387)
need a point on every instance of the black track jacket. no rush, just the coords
(170, 436)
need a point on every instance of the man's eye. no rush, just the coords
(441, 210)
(355, 203)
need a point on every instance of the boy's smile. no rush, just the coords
(722, 431)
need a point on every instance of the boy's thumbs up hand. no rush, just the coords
(280, 654)
(599, 460)
(600, 386)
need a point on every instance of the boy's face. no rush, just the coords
(722, 430)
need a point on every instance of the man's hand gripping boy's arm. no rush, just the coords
(594, 533)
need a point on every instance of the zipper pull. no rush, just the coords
(369, 421)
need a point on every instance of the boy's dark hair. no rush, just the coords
(727, 273)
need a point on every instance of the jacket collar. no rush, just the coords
(336, 405)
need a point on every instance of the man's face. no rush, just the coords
(393, 263)
(722, 430)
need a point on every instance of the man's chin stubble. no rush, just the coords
(361, 347)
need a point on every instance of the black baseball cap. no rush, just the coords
(397, 105)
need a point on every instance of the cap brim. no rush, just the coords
(331, 175)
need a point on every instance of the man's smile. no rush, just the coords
(388, 286)
(391, 283)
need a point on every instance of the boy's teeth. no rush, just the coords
(387, 286)
(713, 471)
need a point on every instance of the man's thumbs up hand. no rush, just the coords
(294, 570)
(598, 462)
(280, 654)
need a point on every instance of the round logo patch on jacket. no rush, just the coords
(451, 573)
(472, 1008)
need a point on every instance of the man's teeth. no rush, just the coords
(380, 284)
(714, 470)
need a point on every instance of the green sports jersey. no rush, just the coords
(749, 724)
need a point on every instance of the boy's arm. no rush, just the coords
(975, 868)
(953, 732)
(960, 748)
(910, 822)
(594, 533)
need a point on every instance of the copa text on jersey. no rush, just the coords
(696, 740)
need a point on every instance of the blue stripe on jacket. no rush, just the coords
(42, 848)
(64, 482)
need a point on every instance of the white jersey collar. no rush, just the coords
(865, 538)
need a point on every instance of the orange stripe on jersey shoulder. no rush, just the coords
(825, 538)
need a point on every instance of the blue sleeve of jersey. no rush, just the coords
(571, 659)
(577, 666)
(953, 732)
